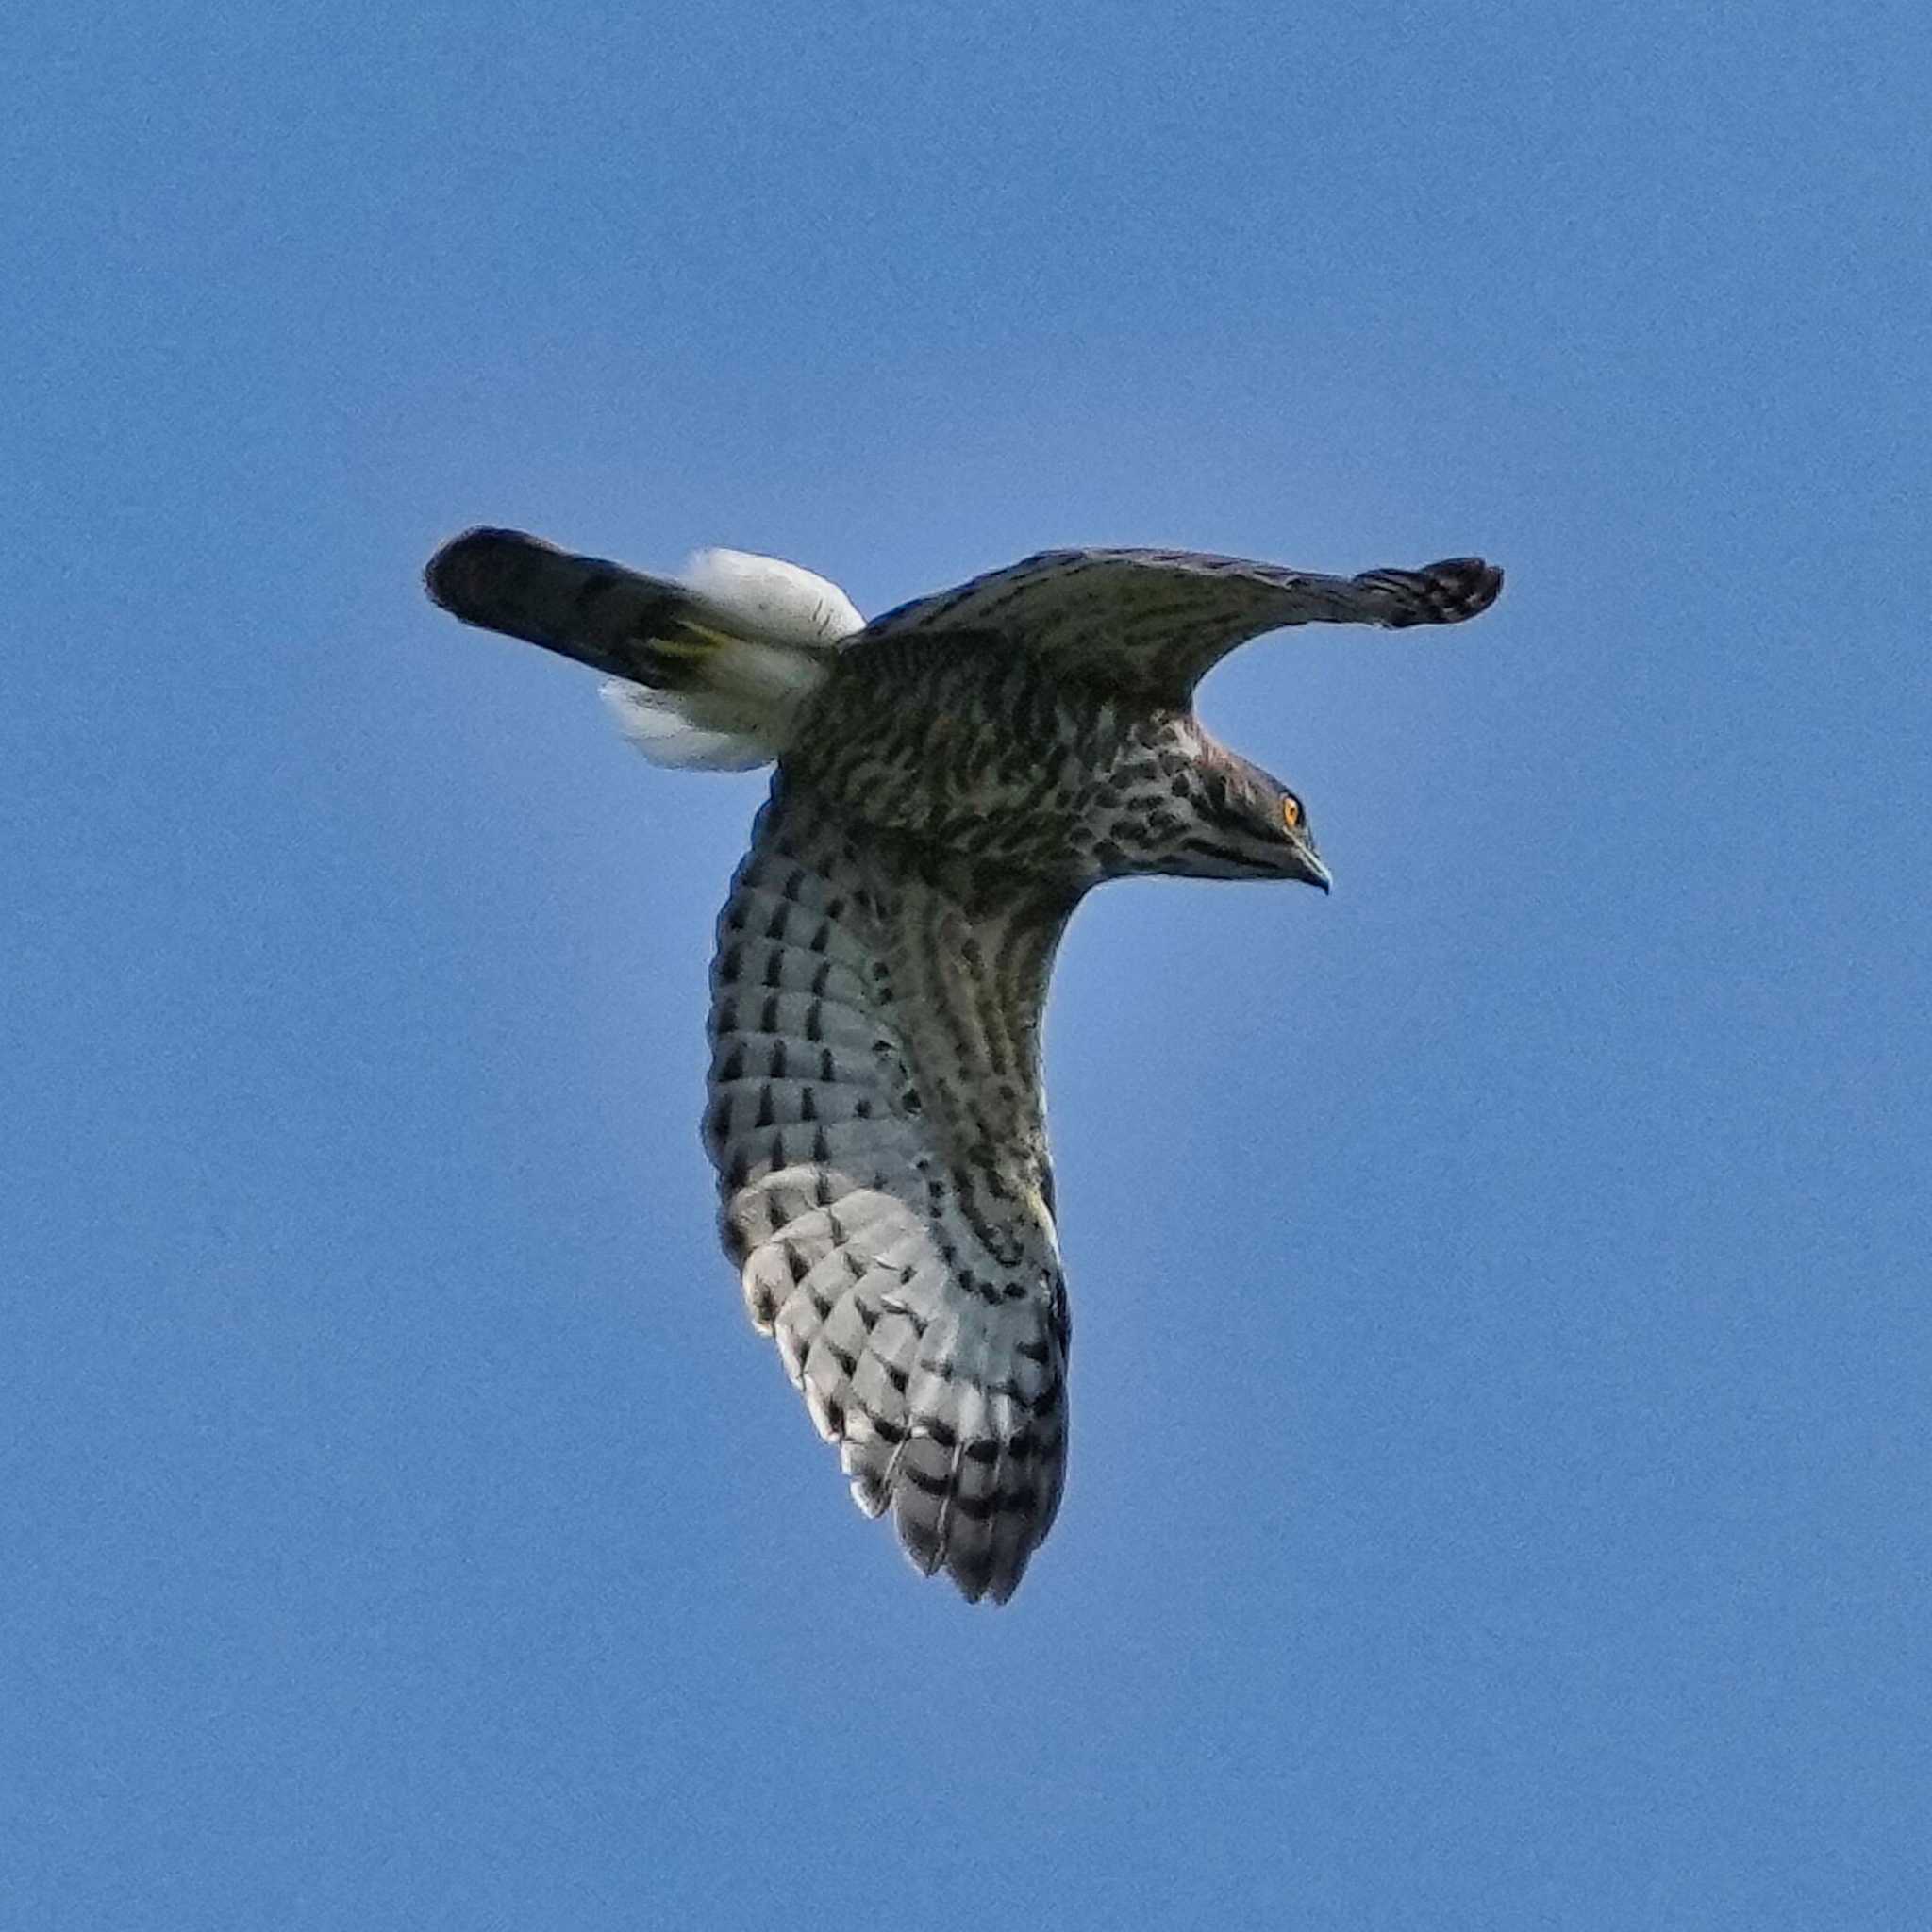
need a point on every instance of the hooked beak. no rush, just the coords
(1313, 872)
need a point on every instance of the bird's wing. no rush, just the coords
(875, 1120)
(1153, 622)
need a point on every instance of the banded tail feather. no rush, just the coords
(707, 672)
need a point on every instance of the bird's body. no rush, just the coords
(952, 779)
(995, 759)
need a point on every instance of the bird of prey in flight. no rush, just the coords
(952, 779)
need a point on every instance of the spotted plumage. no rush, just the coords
(952, 779)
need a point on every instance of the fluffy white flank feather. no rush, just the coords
(768, 627)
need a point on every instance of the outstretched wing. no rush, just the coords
(875, 1120)
(1153, 622)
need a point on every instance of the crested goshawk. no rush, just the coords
(952, 779)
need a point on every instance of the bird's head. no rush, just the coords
(1179, 803)
(1223, 818)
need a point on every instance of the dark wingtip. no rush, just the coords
(1460, 586)
(1446, 592)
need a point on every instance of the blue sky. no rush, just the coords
(1500, 1485)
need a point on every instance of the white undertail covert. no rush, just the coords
(762, 630)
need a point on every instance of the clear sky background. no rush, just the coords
(1500, 1483)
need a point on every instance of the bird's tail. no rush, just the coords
(708, 671)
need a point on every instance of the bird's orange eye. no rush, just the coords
(1292, 813)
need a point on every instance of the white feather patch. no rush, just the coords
(767, 679)
(771, 625)
(772, 601)
(655, 723)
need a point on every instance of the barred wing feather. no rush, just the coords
(1153, 622)
(875, 1120)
